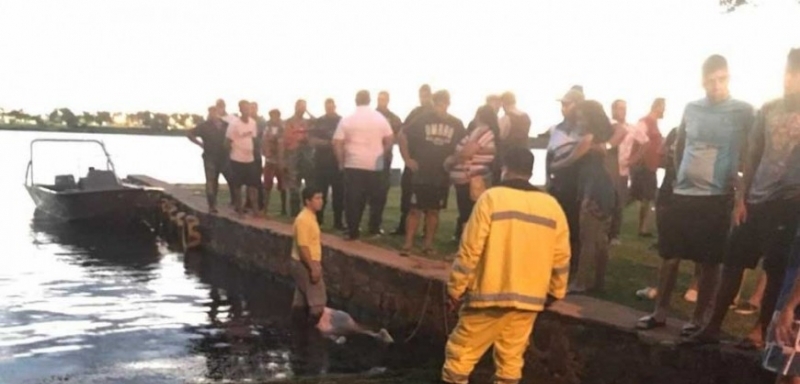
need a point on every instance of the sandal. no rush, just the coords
(689, 329)
(649, 322)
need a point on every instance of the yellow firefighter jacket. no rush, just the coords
(514, 251)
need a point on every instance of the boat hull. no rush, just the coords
(123, 203)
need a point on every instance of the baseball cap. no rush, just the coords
(572, 96)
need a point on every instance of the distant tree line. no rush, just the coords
(64, 117)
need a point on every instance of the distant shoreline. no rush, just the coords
(100, 129)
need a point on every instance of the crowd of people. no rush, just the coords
(730, 197)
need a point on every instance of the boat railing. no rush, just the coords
(29, 171)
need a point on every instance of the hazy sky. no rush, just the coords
(181, 55)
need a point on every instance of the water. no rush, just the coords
(98, 305)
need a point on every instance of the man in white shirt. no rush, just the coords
(241, 135)
(361, 142)
(627, 156)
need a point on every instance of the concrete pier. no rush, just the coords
(578, 340)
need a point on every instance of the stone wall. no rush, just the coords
(566, 350)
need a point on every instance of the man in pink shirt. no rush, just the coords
(627, 156)
(241, 136)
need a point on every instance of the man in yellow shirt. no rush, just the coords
(306, 268)
(513, 261)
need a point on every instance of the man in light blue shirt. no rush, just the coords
(710, 142)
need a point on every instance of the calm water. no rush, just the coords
(95, 305)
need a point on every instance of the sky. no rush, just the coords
(181, 55)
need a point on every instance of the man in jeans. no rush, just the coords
(634, 137)
(271, 142)
(295, 154)
(643, 173)
(211, 134)
(361, 142)
(327, 174)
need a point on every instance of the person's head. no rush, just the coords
(486, 115)
(569, 102)
(300, 107)
(383, 100)
(658, 108)
(213, 113)
(509, 100)
(425, 95)
(363, 98)
(312, 199)
(791, 79)
(495, 102)
(441, 101)
(518, 164)
(274, 115)
(244, 108)
(715, 78)
(591, 118)
(254, 109)
(220, 104)
(619, 110)
(330, 106)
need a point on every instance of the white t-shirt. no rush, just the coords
(636, 134)
(241, 135)
(363, 133)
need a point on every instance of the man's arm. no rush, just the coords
(581, 149)
(755, 150)
(680, 145)
(561, 258)
(476, 232)
(402, 141)
(192, 135)
(338, 145)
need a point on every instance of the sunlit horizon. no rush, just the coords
(179, 56)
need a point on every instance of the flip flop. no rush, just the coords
(649, 322)
(689, 329)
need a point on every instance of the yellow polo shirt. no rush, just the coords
(305, 233)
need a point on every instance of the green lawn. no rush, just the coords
(633, 264)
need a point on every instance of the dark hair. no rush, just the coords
(425, 88)
(519, 160)
(598, 123)
(617, 101)
(714, 63)
(362, 97)
(275, 112)
(793, 60)
(441, 97)
(491, 98)
(329, 100)
(241, 102)
(488, 116)
(308, 194)
(383, 93)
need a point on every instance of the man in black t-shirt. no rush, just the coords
(210, 135)
(326, 169)
(425, 144)
(405, 181)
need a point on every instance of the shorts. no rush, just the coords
(246, 174)
(768, 232)
(271, 172)
(643, 184)
(427, 197)
(307, 295)
(695, 228)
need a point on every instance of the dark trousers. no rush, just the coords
(465, 205)
(362, 187)
(622, 201)
(330, 178)
(405, 198)
(214, 168)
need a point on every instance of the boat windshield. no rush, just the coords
(65, 164)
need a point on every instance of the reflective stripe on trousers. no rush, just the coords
(508, 330)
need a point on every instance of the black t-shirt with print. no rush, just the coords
(431, 139)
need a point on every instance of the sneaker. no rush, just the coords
(383, 335)
(746, 309)
(690, 295)
(615, 242)
(648, 293)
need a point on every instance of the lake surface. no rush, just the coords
(91, 304)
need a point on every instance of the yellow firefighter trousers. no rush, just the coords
(508, 329)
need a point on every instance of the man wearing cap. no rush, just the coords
(563, 183)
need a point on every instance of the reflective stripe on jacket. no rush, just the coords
(514, 252)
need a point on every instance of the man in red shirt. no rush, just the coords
(643, 173)
(295, 154)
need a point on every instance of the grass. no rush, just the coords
(633, 264)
